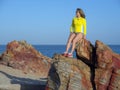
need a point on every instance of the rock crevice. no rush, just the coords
(96, 68)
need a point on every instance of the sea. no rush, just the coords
(50, 50)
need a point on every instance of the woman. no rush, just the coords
(77, 31)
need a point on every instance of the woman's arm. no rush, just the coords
(72, 26)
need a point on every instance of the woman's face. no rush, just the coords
(77, 14)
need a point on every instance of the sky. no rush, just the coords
(47, 22)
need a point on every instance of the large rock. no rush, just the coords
(69, 74)
(22, 56)
(96, 68)
(107, 74)
(14, 79)
(85, 51)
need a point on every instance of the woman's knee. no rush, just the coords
(74, 41)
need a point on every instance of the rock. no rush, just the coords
(69, 74)
(22, 56)
(115, 80)
(115, 77)
(85, 51)
(14, 79)
(10, 87)
(96, 68)
(107, 75)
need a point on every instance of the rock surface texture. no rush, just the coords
(69, 74)
(23, 56)
(107, 74)
(96, 68)
(14, 79)
(22, 67)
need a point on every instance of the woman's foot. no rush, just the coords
(65, 54)
(69, 55)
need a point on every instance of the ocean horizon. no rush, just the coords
(50, 50)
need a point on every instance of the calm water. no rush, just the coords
(50, 50)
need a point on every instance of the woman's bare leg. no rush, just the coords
(78, 37)
(70, 39)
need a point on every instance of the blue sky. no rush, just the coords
(48, 21)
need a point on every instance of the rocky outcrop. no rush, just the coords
(107, 74)
(22, 56)
(69, 74)
(84, 50)
(14, 79)
(96, 68)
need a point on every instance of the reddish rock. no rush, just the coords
(22, 56)
(115, 80)
(107, 73)
(84, 51)
(69, 74)
(104, 70)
